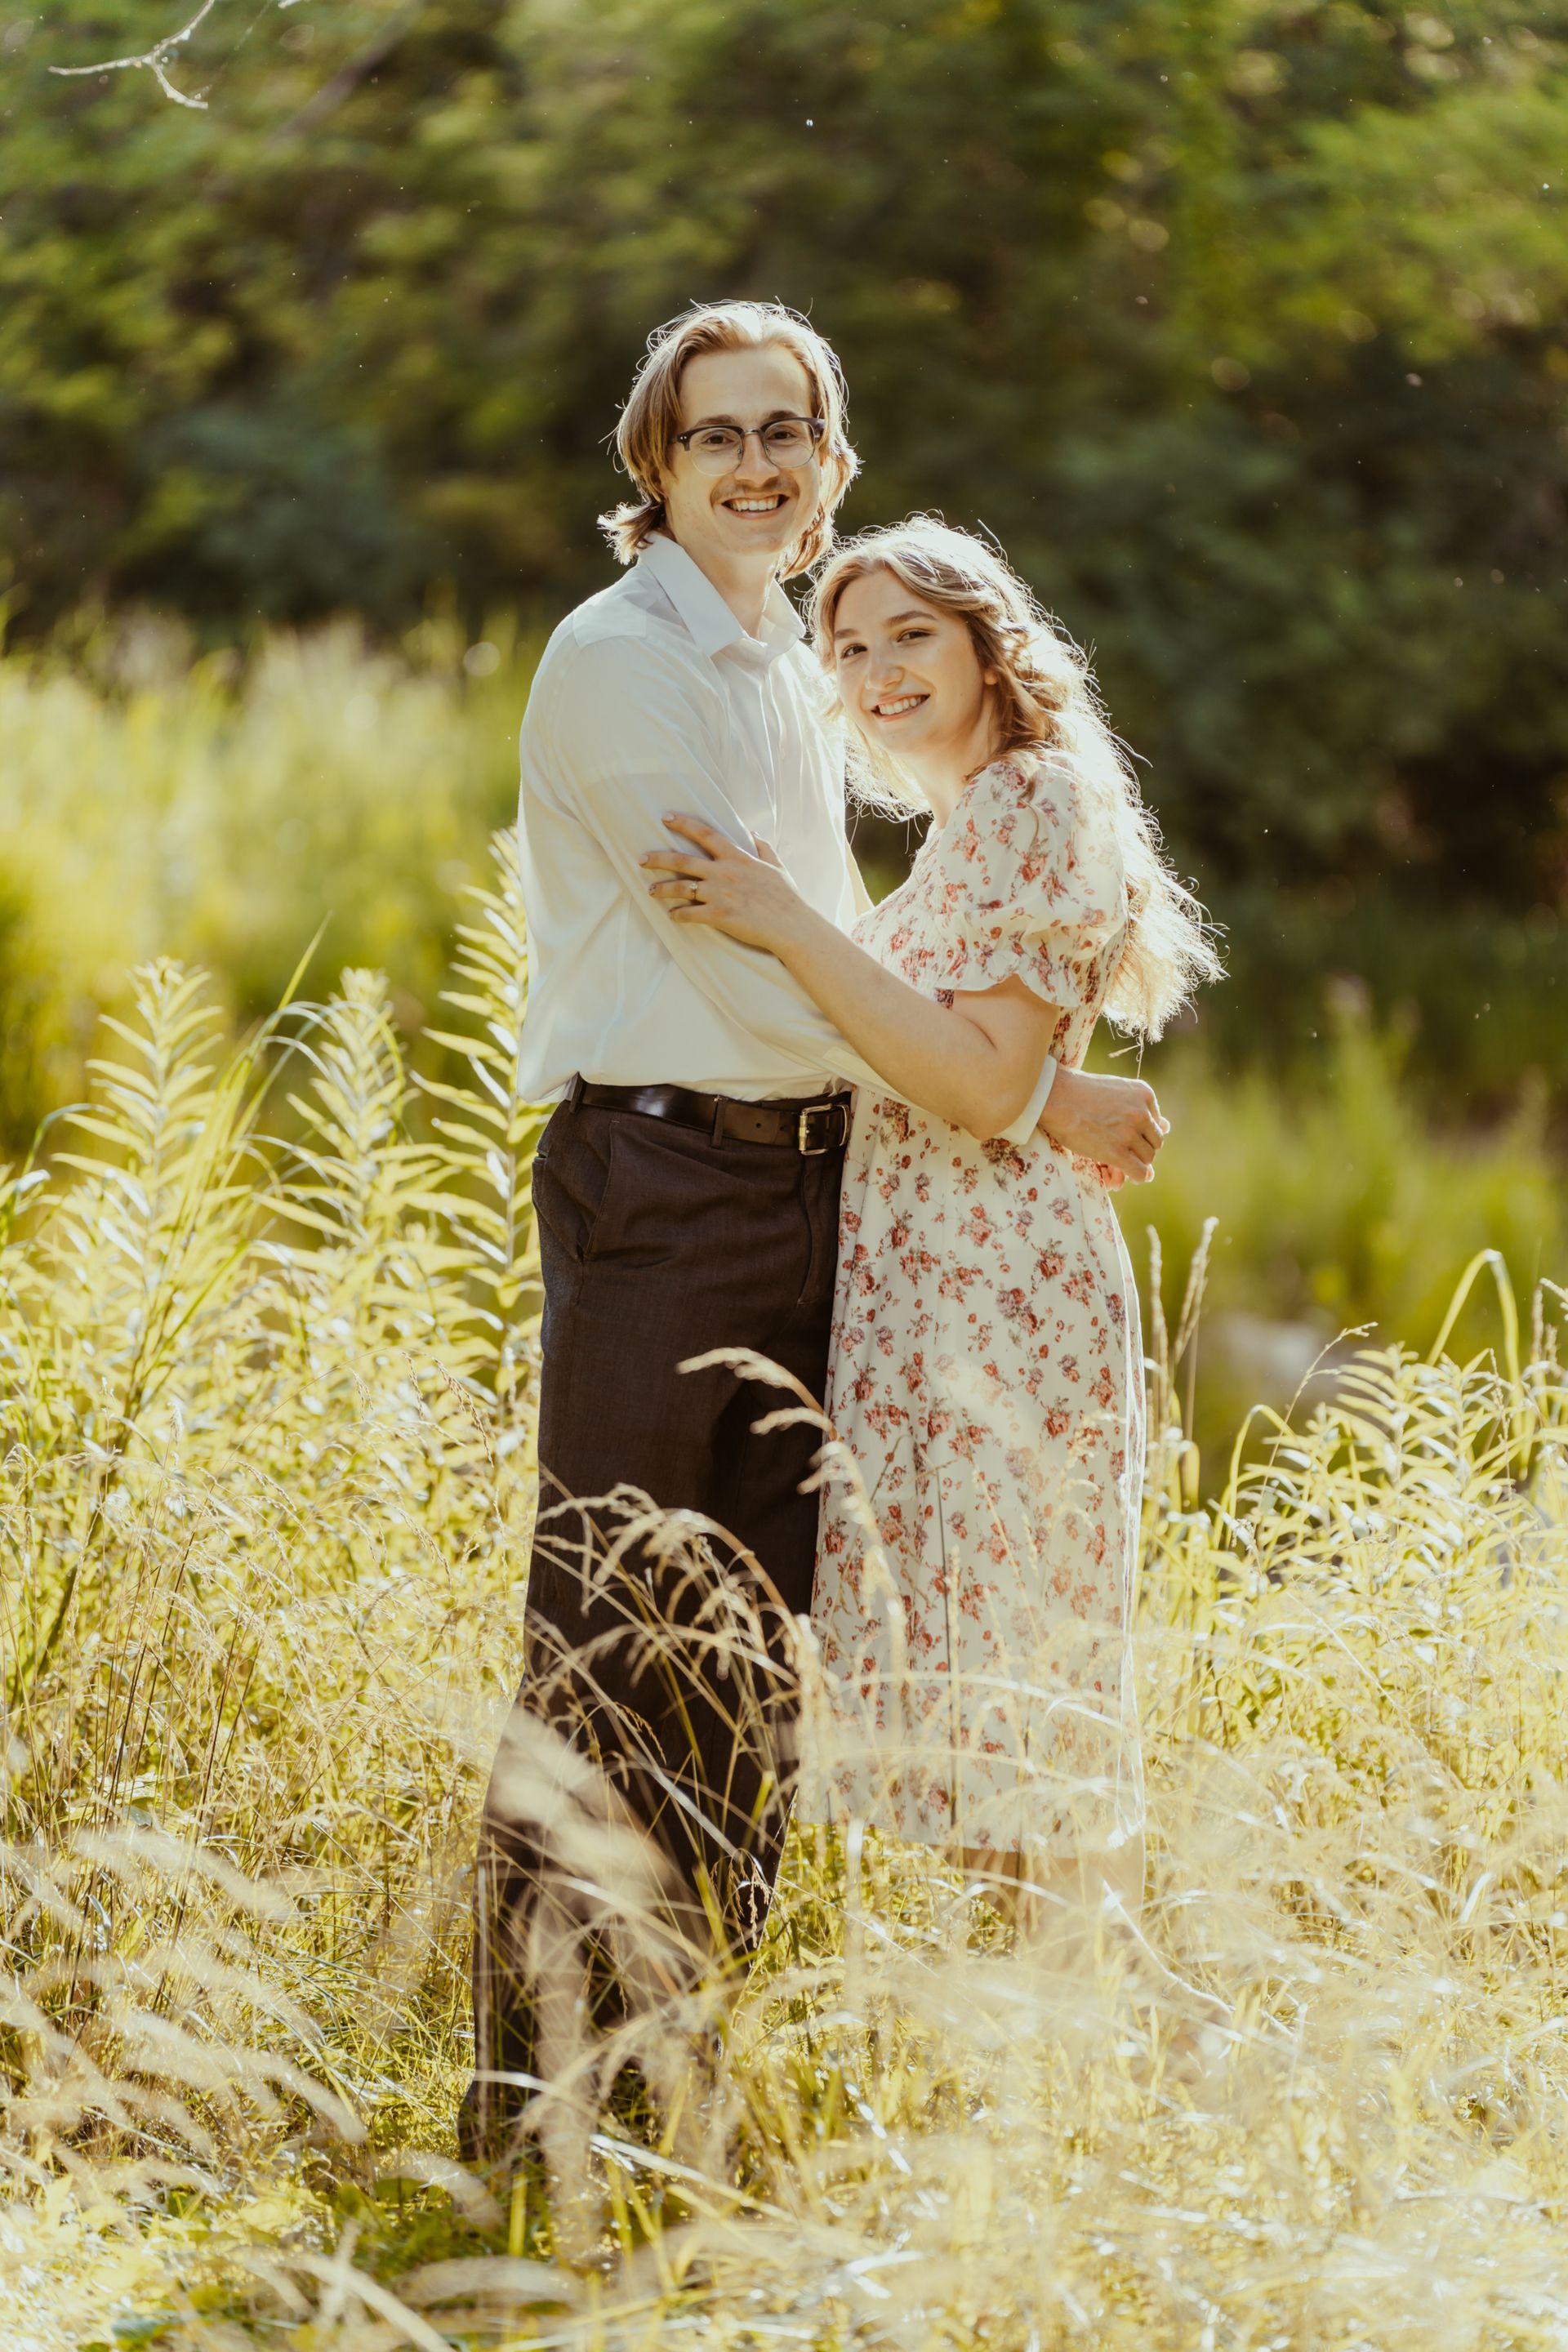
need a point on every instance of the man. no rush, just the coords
(687, 1188)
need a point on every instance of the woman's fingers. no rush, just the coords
(707, 836)
(694, 865)
(679, 861)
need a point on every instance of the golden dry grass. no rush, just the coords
(266, 1446)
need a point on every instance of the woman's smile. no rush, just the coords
(912, 683)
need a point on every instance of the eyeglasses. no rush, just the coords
(788, 440)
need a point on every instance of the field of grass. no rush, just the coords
(265, 1345)
(226, 810)
(1339, 1205)
(230, 810)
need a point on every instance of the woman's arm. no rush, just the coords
(977, 1064)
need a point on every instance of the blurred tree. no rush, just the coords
(1242, 323)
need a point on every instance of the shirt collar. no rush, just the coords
(713, 627)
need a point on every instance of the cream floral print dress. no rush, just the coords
(987, 1378)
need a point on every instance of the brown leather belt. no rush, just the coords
(821, 1124)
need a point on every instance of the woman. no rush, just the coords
(986, 1375)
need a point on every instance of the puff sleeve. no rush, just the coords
(1029, 883)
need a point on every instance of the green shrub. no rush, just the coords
(1338, 1203)
(225, 810)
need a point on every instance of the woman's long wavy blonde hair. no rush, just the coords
(1046, 699)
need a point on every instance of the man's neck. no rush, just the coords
(744, 587)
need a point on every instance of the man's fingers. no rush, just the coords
(1142, 1141)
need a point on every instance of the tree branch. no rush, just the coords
(152, 59)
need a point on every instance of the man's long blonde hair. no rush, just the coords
(651, 417)
(1045, 699)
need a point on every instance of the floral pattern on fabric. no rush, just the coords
(986, 1375)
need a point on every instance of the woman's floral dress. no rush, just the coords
(986, 1376)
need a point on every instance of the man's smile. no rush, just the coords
(768, 503)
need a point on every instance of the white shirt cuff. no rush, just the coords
(1024, 1125)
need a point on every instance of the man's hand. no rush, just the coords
(1116, 1121)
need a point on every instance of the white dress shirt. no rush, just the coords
(651, 697)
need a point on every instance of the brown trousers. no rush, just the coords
(659, 1651)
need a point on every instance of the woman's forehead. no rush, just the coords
(880, 597)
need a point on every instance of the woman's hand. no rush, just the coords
(750, 897)
(1115, 1123)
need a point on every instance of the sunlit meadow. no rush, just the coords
(267, 1321)
(228, 808)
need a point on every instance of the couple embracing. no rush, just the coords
(855, 1142)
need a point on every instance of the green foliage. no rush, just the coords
(1476, 995)
(1356, 1148)
(228, 812)
(1244, 324)
(1338, 1207)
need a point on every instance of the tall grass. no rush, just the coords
(224, 809)
(1338, 1205)
(228, 809)
(266, 1463)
